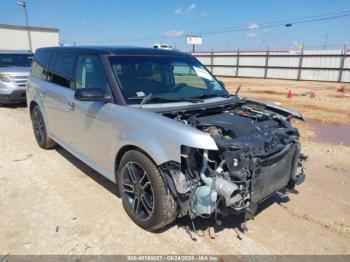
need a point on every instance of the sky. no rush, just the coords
(143, 23)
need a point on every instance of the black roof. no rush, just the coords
(112, 50)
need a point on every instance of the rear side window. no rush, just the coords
(38, 71)
(63, 65)
(90, 73)
(62, 69)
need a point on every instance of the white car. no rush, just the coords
(163, 46)
(14, 73)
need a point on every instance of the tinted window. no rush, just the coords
(63, 65)
(62, 69)
(90, 73)
(167, 76)
(15, 60)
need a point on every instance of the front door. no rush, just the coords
(93, 133)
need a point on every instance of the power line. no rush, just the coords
(280, 22)
(273, 24)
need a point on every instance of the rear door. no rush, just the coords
(58, 93)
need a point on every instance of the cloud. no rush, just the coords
(174, 33)
(204, 14)
(191, 7)
(178, 12)
(254, 32)
(253, 25)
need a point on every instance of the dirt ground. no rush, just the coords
(327, 106)
(51, 203)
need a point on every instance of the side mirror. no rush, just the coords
(221, 83)
(91, 94)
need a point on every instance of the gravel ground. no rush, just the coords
(52, 203)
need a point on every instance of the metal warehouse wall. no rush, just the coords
(16, 37)
(318, 65)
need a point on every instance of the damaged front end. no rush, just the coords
(258, 154)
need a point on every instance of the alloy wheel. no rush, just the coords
(38, 125)
(137, 190)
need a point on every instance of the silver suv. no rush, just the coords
(161, 127)
(14, 73)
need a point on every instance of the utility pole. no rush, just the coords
(24, 5)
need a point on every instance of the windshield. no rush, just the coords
(170, 77)
(15, 60)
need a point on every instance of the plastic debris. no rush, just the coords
(289, 95)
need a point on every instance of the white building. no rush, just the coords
(15, 37)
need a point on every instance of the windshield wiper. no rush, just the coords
(151, 97)
(203, 96)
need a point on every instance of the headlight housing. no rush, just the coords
(192, 160)
(5, 78)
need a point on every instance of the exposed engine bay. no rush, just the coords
(258, 154)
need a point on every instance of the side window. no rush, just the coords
(37, 71)
(62, 69)
(90, 73)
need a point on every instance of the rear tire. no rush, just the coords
(39, 128)
(146, 198)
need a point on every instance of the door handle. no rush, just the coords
(43, 93)
(71, 105)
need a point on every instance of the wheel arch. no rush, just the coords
(169, 182)
(122, 151)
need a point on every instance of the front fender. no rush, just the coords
(151, 146)
(159, 136)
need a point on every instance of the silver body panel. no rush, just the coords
(95, 131)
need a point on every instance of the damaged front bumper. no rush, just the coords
(208, 188)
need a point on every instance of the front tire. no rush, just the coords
(146, 198)
(39, 128)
